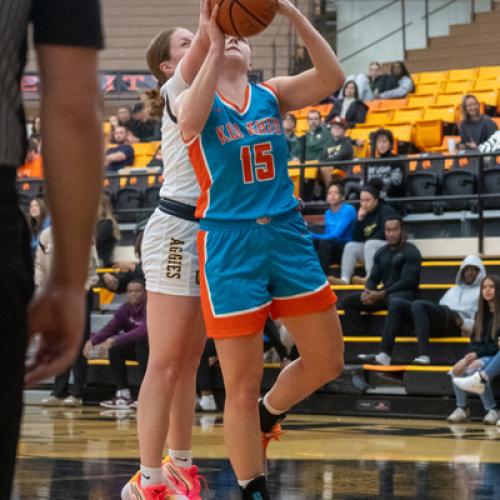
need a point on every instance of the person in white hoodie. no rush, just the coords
(452, 317)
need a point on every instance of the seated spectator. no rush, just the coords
(452, 317)
(368, 234)
(338, 148)
(33, 163)
(349, 106)
(392, 174)
(144, 128)
(400, 83)
(125, 119)
(492, 145)
(204, 379)
(339, 220)
(36, 128)
(122, 153)
(316, 137)
(395, 276)
(129, 271)
(372, 84)
(63, 394)
(124, 338)
(38, 219)
(107, 231)
(157, 160)
(482, 349)
(290, 126)
(475, 128)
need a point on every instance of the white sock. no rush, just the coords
(246, 482)
(123, 393)
(269, 408)
(151, 476)
(181, 458)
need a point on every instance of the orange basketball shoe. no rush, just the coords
(183, 480)
(133, 490)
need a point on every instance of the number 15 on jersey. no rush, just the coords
(257, 163)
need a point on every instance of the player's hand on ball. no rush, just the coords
(56, 316)
(215, 34)
(205, 6)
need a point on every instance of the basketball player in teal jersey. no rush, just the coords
(255, 251)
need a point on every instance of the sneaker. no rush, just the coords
(207, 403)
(117, 403)
(474, 383)
(52, 401)
(274, 435)
(134, 491)
(491, 417)
(422, 360)
(367, 358)
(336, 281)
(72, 401)
(459, 415)
(184, 481)
(382, 359)
(359, 280)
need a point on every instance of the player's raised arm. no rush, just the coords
(194, 105)
(312, 85)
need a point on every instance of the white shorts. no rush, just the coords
(170, 256)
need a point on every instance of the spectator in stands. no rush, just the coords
(204, 379)
(144, 128)
(36, 128)
(125, 338)
(368, 233)
(33, 164)
(395, 275)
(339, 220)
(349, 106)
(393, 173)
(452, 317)
(129, 271)
(107, 231)
(372, 84)
(124, 116)
(492, 145)
(62, 394)
(475, 128)
(482, 349)
(338, 148)
(290, 126)
(157, 160)
(122, 153)
(400, 83)
(316, 137)
(38, 220)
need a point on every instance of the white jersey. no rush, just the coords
(180, 181)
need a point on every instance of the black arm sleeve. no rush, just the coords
(272, 331)
(376, 273)
(67, 22)
(410, 273)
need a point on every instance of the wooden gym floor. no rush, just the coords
(89, 453)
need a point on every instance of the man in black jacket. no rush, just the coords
(395, 273)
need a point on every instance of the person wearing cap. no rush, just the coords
(368, 234)
(349, 106)
(338, 148)
(395, 274)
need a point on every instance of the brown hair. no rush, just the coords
(35, 224)
(157, 52)
(466, 115)
(106, 212)
(478, 334)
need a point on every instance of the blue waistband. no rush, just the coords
(208, 224)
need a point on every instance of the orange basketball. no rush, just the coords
(245, 17)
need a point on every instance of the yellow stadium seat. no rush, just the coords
(106, 128)
(487, 84)
(302, 126)
(407, 115)
(454, 99)
(361, 132)
(416, 78)
(447, 114)
(386, 104)
(488, 97)
(373, 105)
(433, 76)
(428, 134)
(324, 109)
(456, 75)
(402, 131)
(459, 86)
(486, 72)
(379, 117)
(444, 146)
(428, 88)
(421, 101)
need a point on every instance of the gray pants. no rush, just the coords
(358, 252)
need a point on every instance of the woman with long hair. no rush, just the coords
(170, 261)
(107, 231)
(400, 82)
(255, 249)
(482, 350)
(38, 219)
(349, 106)
(475, 128)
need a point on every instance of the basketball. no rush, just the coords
(246, 17)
